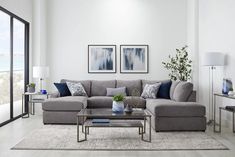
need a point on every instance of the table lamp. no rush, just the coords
(40, 72)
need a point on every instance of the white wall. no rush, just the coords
(216, 33)
(74, 24)
(23, 9)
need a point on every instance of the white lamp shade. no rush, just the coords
(40, 71)
(213, 59)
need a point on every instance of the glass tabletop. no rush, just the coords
(108, 113)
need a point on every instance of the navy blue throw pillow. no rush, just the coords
(164, 90)
(63, 89)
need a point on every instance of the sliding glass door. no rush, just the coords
(18, 65)
(14, 43)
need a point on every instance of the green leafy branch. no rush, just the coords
(180, 66)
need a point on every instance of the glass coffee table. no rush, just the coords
(116, 120)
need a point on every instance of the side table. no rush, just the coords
(32, 101)
(220, 109)
(223, 108)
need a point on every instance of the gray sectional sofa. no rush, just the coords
(167, 114)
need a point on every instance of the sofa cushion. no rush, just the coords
(68, 103)
(130, 85)
(135, 102)
(86, 84)
(172, 89)
(99, 102)
(164, 90)
(115, 91)
(62, 89)
(182, 91)
(170, 108)
(98, 88)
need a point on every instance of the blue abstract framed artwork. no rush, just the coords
(101, 58)
(134, 58)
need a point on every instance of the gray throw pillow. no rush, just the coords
(182, 91)
(115, 91)
(172, 89)
(76, 89)
(150, 90)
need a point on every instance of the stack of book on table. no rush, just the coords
(100, 121)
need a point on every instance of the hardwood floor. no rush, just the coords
(15, 131)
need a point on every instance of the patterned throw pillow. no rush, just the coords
(150, 90)
(76, 89)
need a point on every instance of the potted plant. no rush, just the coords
(118, 104)
(180, 66)
(31, 87)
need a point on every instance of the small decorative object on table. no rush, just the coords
(43, 91)
(227, 86)
(31, 87)
(118, 104)
(128, 109)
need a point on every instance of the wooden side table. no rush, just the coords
(220, 109)
(32, 101)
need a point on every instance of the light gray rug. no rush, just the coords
(63, 137)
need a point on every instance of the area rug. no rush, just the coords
(64, 137)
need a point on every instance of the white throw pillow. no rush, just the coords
(76, 89)
(150, 90)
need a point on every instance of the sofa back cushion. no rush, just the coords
(172, 89)
(98, 88)
(85, 83)
(130, 85)
(182, 91)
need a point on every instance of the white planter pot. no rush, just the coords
(118, 106)
(31, 89)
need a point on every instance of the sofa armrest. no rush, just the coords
(54, 95)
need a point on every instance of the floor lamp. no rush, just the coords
(212, 59)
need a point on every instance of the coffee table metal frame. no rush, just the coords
(86, 124)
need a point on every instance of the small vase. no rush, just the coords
(31, 89)
(128, 109)
(118, 106)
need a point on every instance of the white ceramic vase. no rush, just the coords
(118, 106)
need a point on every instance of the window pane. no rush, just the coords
(4, 67)
(18, 65)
